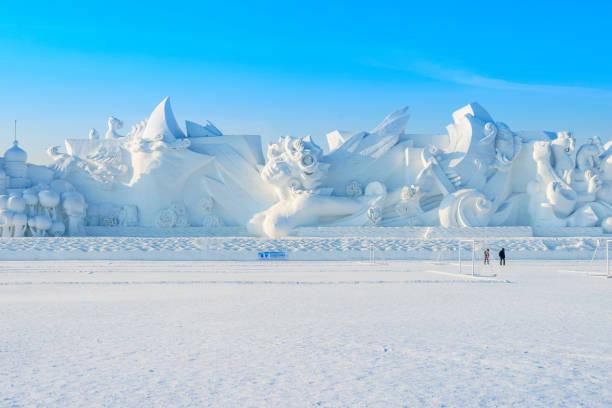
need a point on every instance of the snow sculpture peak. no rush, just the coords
(394, 124)
(197, 130)
(162, 124)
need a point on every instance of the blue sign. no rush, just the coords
(272, 255)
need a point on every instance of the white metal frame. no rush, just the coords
(473, 241)
(608, 258)
(372, 260)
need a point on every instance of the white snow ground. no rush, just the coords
(303, 334)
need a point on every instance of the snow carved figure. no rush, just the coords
(409, 205)
(569, 190)
(295, 169)
(93, 134)
(128, 216)
(477, 166)
(114, 125)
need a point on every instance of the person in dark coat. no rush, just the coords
(502, 257)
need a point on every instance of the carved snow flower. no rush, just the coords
(354, 189)
(166, 218)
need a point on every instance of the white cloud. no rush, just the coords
(435, 71)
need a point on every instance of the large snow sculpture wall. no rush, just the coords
(479, 173)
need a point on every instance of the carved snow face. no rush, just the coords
(504, 143)
(563, 152)
(293, 164)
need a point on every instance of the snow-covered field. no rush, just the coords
(330, 334)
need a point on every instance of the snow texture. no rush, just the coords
(297, 248)
(314, 334)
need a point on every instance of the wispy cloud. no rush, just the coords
(456, 76)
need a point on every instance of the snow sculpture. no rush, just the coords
(6, 218)
(207, 203)
(74, 206)
(114, 125)
(477, 163)
(19, 224)
(39, 225)
(173, 216)
(93, 134)
(409, 206)
(33, 202)
(607, 225)
(465, 208)
(354, 189)
(210, 221)
(49, 200)
(16, 204)
(479, 172)
(295, 170)
(3, 180)
(571, 189)
(128, 216)
(57, 229)
(15, 166)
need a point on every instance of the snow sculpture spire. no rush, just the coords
(162, 124)
(394, 123)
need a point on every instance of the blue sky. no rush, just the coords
(276, 68)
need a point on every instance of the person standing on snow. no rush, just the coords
(486, 256)
(502, 257)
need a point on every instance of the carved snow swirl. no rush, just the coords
(465, 208)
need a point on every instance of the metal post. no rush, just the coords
(473, 257)
(607, 259)
(459, 257)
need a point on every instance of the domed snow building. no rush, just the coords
(16, 167)
(34, 202)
